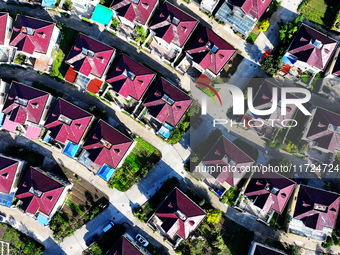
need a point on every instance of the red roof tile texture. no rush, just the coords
(325, 129)
(138, 10)
(227, 155)
(38, 192)
(173, 25)
(67, 122)
(167, 103)
(123, 247)
(31, 35)
(210, 51)
(312, 47)
(8, 170)
(129, 78)
(3, 22)
(25, 103)
(107, 145)
(253, 7)
(316, 208)
(179, 214)
(89, 56)
(269, 191)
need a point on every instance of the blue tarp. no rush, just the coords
(71, 149)
(42, 220)
(2, 117)
(106, 172)
(288, 60)
(48, 3)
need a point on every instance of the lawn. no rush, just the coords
(82, 205)
(225, 237)
(140, 161)
(252, 38)
(319, 11)
(19, 242)
(68, 38)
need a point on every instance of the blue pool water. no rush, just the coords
(71, 149)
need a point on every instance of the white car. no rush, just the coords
(142, 240)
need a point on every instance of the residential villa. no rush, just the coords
(266, 193)
(84, 8)
(228, 162)
(6, 52)
(130, 79)
(41, 194)
(170, 28)
(34, 41)
(177, 217)
(166, 105)
(132, 13)
(206, 56)
(10, 170)
(263, 100)
(66, 127)
(105, 150)
(331, 82)
(25, 110)
(323, 132)
(309, 53)
(262, 249)
(313, 212)
(242, 15)
(124, 247)
(89, 62)
(208, 6)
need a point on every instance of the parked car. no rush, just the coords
(142, 240)
(196, 124)
(2, 218)
(92, 240)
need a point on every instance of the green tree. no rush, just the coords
(263, 25)
(302, 146)
(285, 162)
(214, 215)
(271, 65)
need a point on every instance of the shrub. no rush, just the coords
(263, 25)
(20, 59)
(114, 23)
(329, 242)
(67, 5)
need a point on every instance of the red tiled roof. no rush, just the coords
(173, 25)
(70, 75)
(165, 111)
(30, 34)
(25, 103)
(38, 192)
(89, 56)
(8, 169)
(269, 190)
(62, 113)
(139, 10)
(253, 7)
(226, 154)
(263, 101)
(312, 47)
(123, 247)
(324, 129)
(316, 208)
(129, 78)
(94, 85)
(210, 51)
(116, 143)
(179, 214)
(3, 22)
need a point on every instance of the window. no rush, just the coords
(64, 119)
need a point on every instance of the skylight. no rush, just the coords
(87, 52)
(168, 100)
(129, 75)
(35, 192)
(135, 1)
(105, 143)
(64, 119)
(20, 101)
(317, 43)
(175, 21)
(28, 30)
(214, 49)
(319, 207)
(180, 215)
